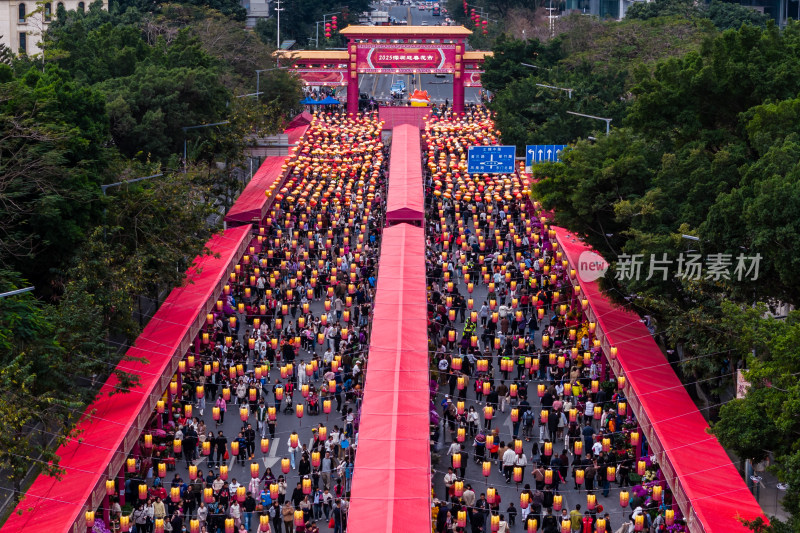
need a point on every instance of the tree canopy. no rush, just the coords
(701, 161)
(108, 101)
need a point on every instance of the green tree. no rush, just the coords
(52, 155)
(731, 15)
(229, 8)
(764, 423)
(662, 8)
(148, 110)
(506, 63)
(38, 394)
(690, 161)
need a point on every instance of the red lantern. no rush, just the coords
(624, 498)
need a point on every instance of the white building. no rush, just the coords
(256, 9)
(23, 21)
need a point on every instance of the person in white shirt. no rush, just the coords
(503, 526)
(509, 458)
(449, 480)
(483, 314)
(473, 421)
(588, 411)
(235, 512)
(149, 511)
(502, 311)
(597, 447)
(455, 447)
(522, 461)
(292, 450)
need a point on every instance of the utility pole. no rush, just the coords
(550, 18)
(278, 12)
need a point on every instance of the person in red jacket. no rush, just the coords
(588, 523)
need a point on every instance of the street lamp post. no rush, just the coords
(324, 20)
(607, 120)
(483, 13)
(187, 128)
(104, 188)
(258, 79)
(278, 10)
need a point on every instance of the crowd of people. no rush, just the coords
(508, 334)
(288, 337)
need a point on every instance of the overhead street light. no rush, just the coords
(15, 292)
(106, 187)
(258, 80)
(187, 128)
(607, 120)
(568, 91)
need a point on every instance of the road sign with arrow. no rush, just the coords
(491, 159)
(541, 153)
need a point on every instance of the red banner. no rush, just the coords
(472, 79)
(327, 78)
(409, 59)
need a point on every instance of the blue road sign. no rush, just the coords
(491, 159)
(540, 153)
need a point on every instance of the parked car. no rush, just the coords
(398, 89)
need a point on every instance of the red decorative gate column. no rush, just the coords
(352, 81)
(458, 79)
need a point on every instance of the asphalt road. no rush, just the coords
(439, 89)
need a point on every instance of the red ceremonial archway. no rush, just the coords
(393, 50)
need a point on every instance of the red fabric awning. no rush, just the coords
(298, 126)
(112, 424)
(391, 488)
(706, 485)
(253, 204)
(395, 116)
(405, 198)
